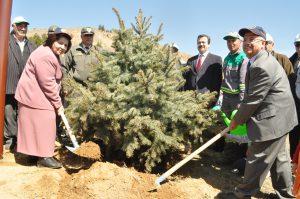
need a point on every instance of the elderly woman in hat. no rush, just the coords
(39, 101)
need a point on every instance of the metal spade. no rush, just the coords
(70, 133)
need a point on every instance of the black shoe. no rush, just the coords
(49, 162)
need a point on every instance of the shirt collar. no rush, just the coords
(204, 54)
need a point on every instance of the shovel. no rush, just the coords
(70, 133)
(189, 157)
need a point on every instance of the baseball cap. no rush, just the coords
(174, 45)
(19, 19)
(297, 39)
(87, 31)
(51, 29)
(63, 32)
(269, 38)
(257, 30)
(232, 35)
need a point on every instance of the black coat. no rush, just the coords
(209, 78)
(16, 62)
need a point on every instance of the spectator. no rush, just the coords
(175, 51)
(295, 86)
(205, 73)
(38, 98)
(79, 60)
(282, 59)
(18, 52)
(234, 72)
(267, 102)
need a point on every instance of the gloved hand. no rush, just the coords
(60, 110)
(216, 108)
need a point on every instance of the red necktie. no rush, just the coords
(199, 63)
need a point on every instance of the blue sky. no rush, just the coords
(183, 20)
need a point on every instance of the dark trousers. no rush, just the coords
(10, 121)
(294, 139)
(263, 157)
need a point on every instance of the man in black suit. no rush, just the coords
(205, 73)
(18, 52)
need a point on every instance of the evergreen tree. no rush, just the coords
(132, 101)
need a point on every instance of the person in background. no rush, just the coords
(267, 102)
(281, 58)
(294, 135)
(234, 72)
(205, 72)
(18, 52)
(78, 61)
(175, 51)
(38, 99)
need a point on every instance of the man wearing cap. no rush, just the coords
(79, 60)
(267, 103)
(295, 86)
(234, 71)
(205, 73)
(175, 51)
(18, 52)
(282, 59)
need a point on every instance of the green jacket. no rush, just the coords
(78, 62)
(234, 72)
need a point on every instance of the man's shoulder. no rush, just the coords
(214, 56)
(192, 58)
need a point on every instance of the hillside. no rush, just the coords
(101, 37)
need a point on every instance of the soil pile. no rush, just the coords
(89, 150)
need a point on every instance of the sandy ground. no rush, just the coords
(200, 178)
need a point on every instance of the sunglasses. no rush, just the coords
(297, 45)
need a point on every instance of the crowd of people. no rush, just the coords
(261, 84)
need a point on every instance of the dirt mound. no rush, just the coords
(89, 150)
(200, 178)
(106, 180)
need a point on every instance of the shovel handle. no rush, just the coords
(69, 130)
(189, 157)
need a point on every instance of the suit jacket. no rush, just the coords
(268, 107)
(209, 78)
(39, 84)
(16, 63)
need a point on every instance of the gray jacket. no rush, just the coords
(16, 62)
(268, 107)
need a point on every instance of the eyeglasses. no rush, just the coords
(297, 45)
(252, 41)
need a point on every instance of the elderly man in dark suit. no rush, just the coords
(18, 52)
(269, 110)
(205, 73)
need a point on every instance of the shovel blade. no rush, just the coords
(72, 149)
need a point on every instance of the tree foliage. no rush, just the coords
(132, 101)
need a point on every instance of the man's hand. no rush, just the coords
(232, 125)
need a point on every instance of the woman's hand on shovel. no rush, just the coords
(60, 110)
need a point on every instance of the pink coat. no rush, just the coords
(39, 85)
(38, 96)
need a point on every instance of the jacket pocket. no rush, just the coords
(266, 114)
